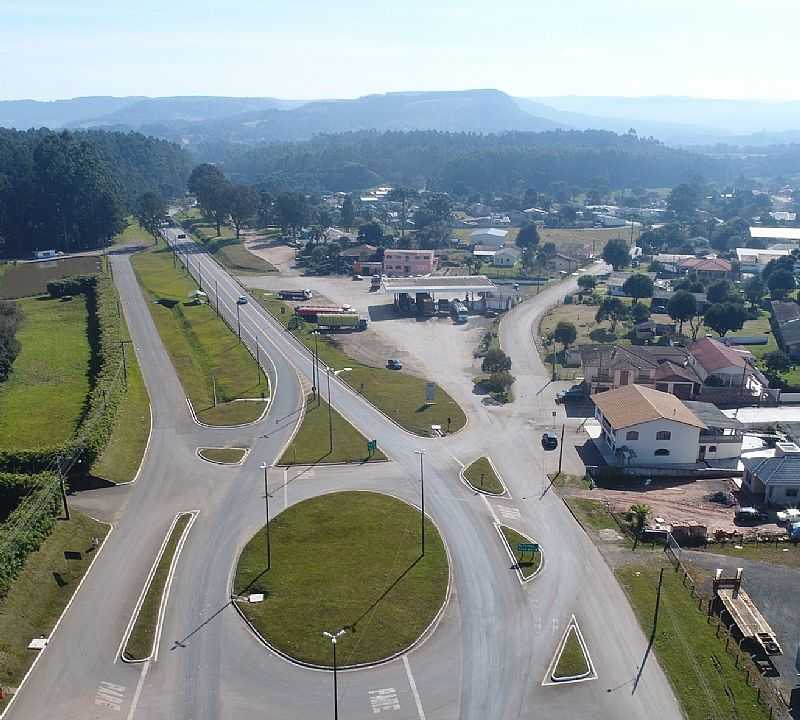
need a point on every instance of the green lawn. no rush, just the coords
(30, 279)
(481, 476)
(527, 562)
(783, 554)
(345, 560)
(140, 641)
(42, 401)
(702, 673)
(566, 481)
(592, 513)
(200, 345)
(121, 459)
(400, 396)
(572, 662)
(311, 444)
(225, 456)
(133, 234)
(41, 591)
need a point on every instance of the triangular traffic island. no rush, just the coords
(571, 662)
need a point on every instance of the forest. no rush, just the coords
(72, 191)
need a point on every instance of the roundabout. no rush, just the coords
(345, 560)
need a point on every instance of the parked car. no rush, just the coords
(573, 393)
(242, 300)
(790, 515)
(358, 277)
(181, 236)
(750, 515)
(394, 364)
(794, 532)
(549, 441)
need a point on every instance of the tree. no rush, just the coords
(10, 318)
(546, 251)
(474, 264)
(496, 361)
(718, 291)
(612, 309)
(640, 312)
(371, 233)
(402, 195)
(683, 200)
(778, 361)
(639, 512)
(754, 290)
(528, 260)
(243, 205)
(347, 213)
(725, 317)
(499, 382)
(290, 211)
(587, 283)
(527, 237)
(682, 306)
(565, 333)
(638, 286)
(220, 203)
(149, 212)
(204, 183)
(616, 254)
(780, 283)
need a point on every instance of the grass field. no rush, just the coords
(41, 591)
(528, 562)
(592, 513)
(140, 641)
(200, 345)
(481, 476)
(29, 279)
(229, 251)
(702, 673)
(133, 234)
(311, 444)
(43, 399)
(400, 396)
(572, 662)
(225, 456)
(783, 554)
(345, 560)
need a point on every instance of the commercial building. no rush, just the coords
(398, 263)
(776, 234)
(489, 237)
(754, 260)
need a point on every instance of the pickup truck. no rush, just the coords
(790, 515)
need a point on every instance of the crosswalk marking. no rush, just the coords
(383, 699)
(509, 513)
(110, 695)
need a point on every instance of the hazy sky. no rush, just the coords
(345, 48)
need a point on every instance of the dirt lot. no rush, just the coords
(28, 279)
(279, 255)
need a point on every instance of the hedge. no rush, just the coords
(14, 487)
(75, 285)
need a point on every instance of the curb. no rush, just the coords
(522, 579)
(218, 462)
(505, 494)
(422, 638)
(267, 403)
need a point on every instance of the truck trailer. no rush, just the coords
(295, 294)
(348, 321)
(312, 312)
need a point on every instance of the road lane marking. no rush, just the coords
(413, 685)
(138, 692)
(491, 508)
(383, 699)
(110, 695)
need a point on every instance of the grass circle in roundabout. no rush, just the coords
(344, 560)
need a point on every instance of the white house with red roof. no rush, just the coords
(730, 366)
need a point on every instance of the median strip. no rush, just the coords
(571, 662)
(526, 553)
(144, 629)
(482, 476)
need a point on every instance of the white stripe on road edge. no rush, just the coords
(139, 685)
(413, 685)
(491, 509)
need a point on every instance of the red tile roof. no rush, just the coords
(714, 355)
(706, 265)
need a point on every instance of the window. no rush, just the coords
(632, 435)
(791, 492)
(712, 448)
(663, 435)
(661, 452)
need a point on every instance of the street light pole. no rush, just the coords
(265, 467)
(421, 454)
(238, 323)
(333, 638)
(330, 413)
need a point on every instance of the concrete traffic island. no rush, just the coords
(347, 560)
(482, 476)
(525, 552)
(571, 662)
(223, 456)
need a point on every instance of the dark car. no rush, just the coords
(394, 365)
(574, 394)
(549, 441)
(750, 515)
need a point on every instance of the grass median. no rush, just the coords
(398, 395)
(703, 675)
(206, 354)
(344, 560)
(527, 562)
(311, 444)
(41, 591)
(140, 642)
(481, 476)
(592, 514)
(572, 661)
(42, 401)
(223, 456)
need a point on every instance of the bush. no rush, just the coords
(499, 382)
(76, 285)
(496, 361)
(10, 318)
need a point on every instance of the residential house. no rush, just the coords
(671, 261)
(711, 268)
(776, 479)
(656, 326)
(617, 279)
(561, 263)
(356, 254)
(398, 263)
(722, 438)
(664, 368)
(506, 257)
(483, 252)
(725, 365)
(489, 237)
(658, 303)
(754, 260)
(786, 316)
(643, 426)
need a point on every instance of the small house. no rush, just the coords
(776, 479)
(506, 257)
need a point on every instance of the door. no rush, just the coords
(702, 453)
(624, 377)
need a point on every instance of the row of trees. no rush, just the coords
(10, 318)
(221, 199)
(72, 191)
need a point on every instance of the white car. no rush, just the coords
(788, 515)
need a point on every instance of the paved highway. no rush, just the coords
(486, 659)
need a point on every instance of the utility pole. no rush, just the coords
(200, 274)
(63, 494)
(421, 454)
(258, 364)
(214, 388)
(238, 323)
(658, 600)
(333, 638)
(265, 468)
(330, 412)
(122, 344)
(216, 294)
(561, 450)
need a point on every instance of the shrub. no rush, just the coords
(76, 285)
(496, 361)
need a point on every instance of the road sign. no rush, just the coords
(527, 547)
(430, 391)
(372, 446)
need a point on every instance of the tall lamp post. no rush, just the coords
(238, 323)
(265, 467)
(334, 636)
(421, 454)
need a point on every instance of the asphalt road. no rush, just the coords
(488, 656)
